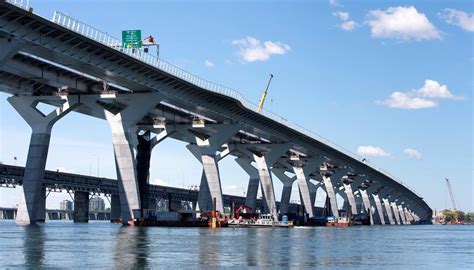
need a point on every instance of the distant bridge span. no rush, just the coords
(75, 67)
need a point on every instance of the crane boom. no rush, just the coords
(264, 95)
(451, 194)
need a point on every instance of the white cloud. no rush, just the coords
(252, 50)
(419, 98)
(459, 18)
(346, 24)
(412, 153)
(372, 151)
(335, 3)
(403, 23)
(208, 63)
(401, 100)
(433, 89)
(342, 15)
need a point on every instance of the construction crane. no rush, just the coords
(264, 95)
(451, 194)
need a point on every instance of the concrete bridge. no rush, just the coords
(145, 100)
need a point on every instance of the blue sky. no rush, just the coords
(392, 79)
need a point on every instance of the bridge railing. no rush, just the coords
(24, 4)
(115, 43)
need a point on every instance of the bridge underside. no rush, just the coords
(74, 67)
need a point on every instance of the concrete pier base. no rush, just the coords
(81, 206)
(115, 208)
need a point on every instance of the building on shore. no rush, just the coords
(96, 204)
(65, 205)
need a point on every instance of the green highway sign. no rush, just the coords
(132, 38)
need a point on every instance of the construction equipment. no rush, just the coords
(264, 95)
(451, 194)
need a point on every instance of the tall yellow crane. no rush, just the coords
(264, 95)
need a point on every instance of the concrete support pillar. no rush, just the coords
(41, 206)
(205, 150)
(81, 206)
(252, 189)
(125, 141)
(378, 206)
(213, 182)
(143, 157)
(41, 126)
(409, 216)
(264, 161)
(204, 202)
(175, 205)
(146, 143)
(266, 184)
(367, 207)
(402, 215)
(388, 210)
(395, 213)
(313, 190)
(304, 190)
(115, 208)
(350, 198)
(331, 195)
(287, 188)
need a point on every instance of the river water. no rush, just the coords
(61, 244)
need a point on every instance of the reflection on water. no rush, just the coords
(131, 248)
(104, 245)
(33, 245)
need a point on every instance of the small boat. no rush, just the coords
(340, 222)
(268, 221)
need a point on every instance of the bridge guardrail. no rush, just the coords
(85, 30)
(24, 4)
